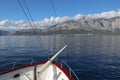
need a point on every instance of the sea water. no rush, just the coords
(92, 57)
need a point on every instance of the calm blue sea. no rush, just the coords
(92, 57)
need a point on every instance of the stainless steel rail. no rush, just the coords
(70, 70)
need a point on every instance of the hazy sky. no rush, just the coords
(40, 9)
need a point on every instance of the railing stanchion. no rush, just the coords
(13, 65)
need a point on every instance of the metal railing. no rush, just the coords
(69, 70)
(12, 65)
(63, 64)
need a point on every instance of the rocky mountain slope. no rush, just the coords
(2, 32)
(82, 25)
(110, 24)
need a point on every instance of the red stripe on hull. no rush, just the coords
(35, 64)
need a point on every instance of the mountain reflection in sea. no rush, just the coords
(92, 57)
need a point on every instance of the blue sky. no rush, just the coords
(40, 9)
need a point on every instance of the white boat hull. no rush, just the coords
(33, 72)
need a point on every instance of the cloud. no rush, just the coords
(5, 23)
(109, 14)
(54, 20)
(13, 25)
(17, 25)
(79, 16)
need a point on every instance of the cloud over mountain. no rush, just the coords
(18, 25)
(109, 14)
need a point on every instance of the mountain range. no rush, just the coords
(105, 22)
(2, 32)
(82, 25)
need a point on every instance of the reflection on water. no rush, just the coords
(93, 57)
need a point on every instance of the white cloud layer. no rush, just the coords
(17, 25)
(109, 14)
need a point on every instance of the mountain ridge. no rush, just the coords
(76, 26)
(3, 32)
(83, 25)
